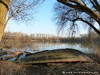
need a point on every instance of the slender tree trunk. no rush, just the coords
(3, 13)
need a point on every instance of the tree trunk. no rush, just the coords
(3, 13)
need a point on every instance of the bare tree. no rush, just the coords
(18, 9)
(70, 12)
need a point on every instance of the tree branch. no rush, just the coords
(83, 2)
(68, 4)
(90, 24)
(97, 7)
(94, 28)
(82, 7)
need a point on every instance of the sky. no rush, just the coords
(43, 23)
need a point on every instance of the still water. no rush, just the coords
(40, 46)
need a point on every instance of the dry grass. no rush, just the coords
(10, 68)
(96, 55)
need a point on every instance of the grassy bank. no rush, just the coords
(9, 68)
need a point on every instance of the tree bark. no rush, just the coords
(3, 13)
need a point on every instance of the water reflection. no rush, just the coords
(40, 46)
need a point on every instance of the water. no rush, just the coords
(40, 46)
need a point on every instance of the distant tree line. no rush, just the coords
(19, 39)
(18, 36)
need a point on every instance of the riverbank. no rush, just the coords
(62, 68)
(10, 68)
